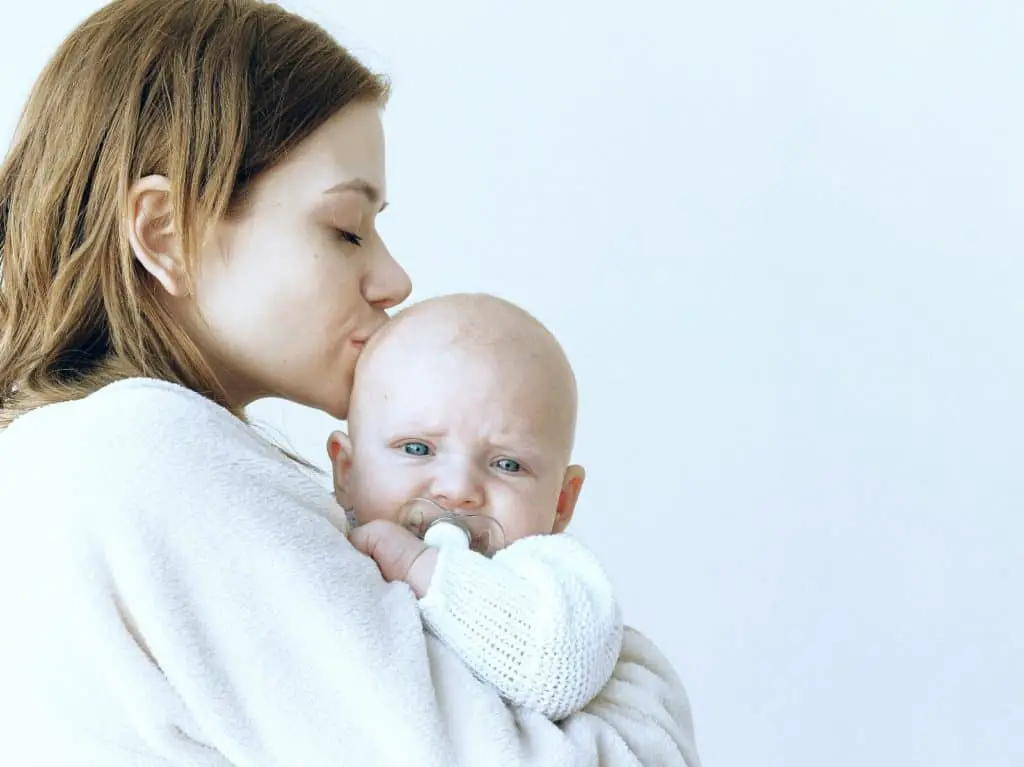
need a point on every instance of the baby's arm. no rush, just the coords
(539, 621)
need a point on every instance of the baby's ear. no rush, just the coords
(339, 450)
(572, 484)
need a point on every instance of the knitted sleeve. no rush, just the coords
(539, 621)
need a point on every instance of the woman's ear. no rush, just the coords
(152, 236)
(572, 484)
(339, 450)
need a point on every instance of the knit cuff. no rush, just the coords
(485, 612)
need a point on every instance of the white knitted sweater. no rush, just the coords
(539, 621)
(174, 592)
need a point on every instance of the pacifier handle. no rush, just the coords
(444, 533)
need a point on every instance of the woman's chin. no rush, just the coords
(336, 403)
(340, 412)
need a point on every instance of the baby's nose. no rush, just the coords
(458, 489)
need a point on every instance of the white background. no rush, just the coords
(782, 245)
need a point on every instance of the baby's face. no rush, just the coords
(474, 431)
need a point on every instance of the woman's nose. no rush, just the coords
(386, 283)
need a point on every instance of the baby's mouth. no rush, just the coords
(486, 535)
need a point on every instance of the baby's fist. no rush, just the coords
(399, 554)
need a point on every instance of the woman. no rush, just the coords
(187, 223)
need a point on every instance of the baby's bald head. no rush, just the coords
(469, 401)
(519, 350)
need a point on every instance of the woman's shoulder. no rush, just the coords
(142, 444)
(156, 429)
(123, 402)
(146, 405)
(136, 414)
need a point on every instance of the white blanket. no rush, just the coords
(175, 592)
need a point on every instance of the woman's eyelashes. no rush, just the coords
(350, 237)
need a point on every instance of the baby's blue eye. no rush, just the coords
(508, 465)
(418, 449)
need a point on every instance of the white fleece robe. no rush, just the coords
(173, 591)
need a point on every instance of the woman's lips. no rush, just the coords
(364, 337)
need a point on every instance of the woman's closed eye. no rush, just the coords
(350, 237)
(415, 448)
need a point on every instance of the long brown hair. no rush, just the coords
(209, 93)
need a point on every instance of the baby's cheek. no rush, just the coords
(368, 510)
(524, 523)
(370, 505)
(380, 487)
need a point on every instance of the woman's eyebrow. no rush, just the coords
(370, 191)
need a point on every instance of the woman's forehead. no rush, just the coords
(344, 156)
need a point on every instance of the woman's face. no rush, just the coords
(290, 289)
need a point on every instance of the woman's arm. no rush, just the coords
(284, 642)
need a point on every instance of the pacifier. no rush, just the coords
(440, 527)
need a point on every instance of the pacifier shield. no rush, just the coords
(486, 535)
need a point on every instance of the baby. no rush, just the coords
(468, 401)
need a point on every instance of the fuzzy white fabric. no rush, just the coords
(173, 591)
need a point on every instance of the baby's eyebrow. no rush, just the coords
(527, 450)
(417, 431)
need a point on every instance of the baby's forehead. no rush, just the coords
(466, 347)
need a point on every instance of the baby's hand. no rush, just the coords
(399, 554)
